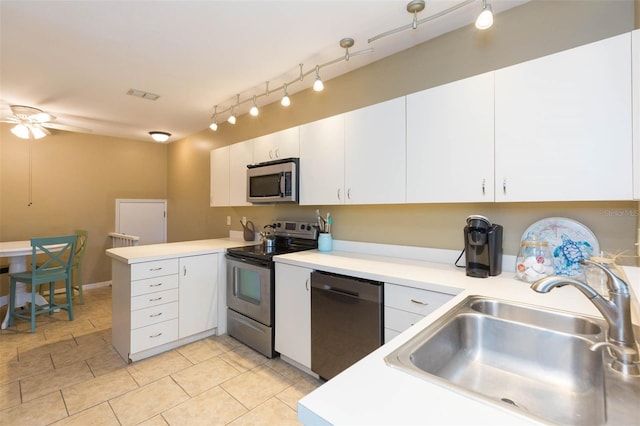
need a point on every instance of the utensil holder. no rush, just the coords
(325, 242)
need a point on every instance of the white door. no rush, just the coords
(146, 219)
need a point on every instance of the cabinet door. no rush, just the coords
(198, 294)
(240, 155)
(322, 162)
(276, 146)
(450, 142)
(375, 154)
(293, 313)
(219, 175)
(635, 54)
(563, 125)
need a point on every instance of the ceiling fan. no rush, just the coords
(32, 123)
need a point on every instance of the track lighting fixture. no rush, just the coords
(285, 102)
(485, 19)
(254, 109)
(414, 7)
(160, 136)
(318, 86)
(214, 122)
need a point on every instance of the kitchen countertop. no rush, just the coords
(372, 393)
(152, 252)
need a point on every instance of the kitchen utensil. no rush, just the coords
(249, 231)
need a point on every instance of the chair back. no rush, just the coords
(81, 245)
(58, 253)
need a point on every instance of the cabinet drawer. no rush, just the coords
(152, 285)
(154, 299)
(154, 335)
(154, 314)
(412, 299)
(154, 269)
(396, 319)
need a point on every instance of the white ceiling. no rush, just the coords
(78, 59)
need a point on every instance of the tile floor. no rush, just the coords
(67, 373)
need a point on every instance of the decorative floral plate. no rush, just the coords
(569, 242)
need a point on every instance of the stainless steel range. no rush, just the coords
(251, 283)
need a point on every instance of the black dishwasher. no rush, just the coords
(346, 321)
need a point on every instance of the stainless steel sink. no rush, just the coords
(530, 360)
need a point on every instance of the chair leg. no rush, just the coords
(33, 308)
(77, 283)
(52, 301)
(12, 300)
(69, 297)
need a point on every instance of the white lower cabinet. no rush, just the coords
(293, 313)
(404, 306)
(198, 294)
(635, 68)
(159, 305)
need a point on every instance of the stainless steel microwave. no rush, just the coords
(273, 182)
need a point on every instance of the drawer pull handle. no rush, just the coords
(155, 315)
(156, 299)
(156, 269)
(155, 335)
(155, 285)
(419, 302)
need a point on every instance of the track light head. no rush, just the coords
(285, 102)
(213, 126)
(254, 109)
(318, 86)
(485, 19)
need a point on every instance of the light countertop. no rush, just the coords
(372, 393)
(152, 252)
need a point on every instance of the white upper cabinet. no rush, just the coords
(375, 154)
(450, 142)
(322, 162)
(563, 125)
(276, 146)
(635, 54)
(240, 155)
(219, 177)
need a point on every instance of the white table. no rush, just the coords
(17, 253)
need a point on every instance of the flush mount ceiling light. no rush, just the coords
(160, 136)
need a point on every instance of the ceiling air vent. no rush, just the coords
(143, 94)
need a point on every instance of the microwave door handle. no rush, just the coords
(283, 182)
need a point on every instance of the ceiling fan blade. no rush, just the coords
(11, 120)
(66, 128)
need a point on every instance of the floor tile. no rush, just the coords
(9, 395)
(203, 349)
(100, 415)
(41, 384)
(146, 402)
(243, 358)
(106, 362)
(154, 421)
(271, 412)
(205, 375)
(17, 370)
(95, 391)
(41, 411)
(151, 369)
(295, 392)
(213, 407)
(254, 387)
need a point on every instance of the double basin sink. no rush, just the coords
(534, 361)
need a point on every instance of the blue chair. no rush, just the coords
(55, 265)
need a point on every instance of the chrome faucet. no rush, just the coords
(616, 311)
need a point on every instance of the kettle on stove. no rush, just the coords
(483, 247)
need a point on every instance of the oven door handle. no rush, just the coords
(236, 277)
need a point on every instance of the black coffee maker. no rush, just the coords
(483, 247)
